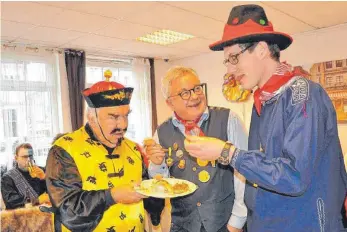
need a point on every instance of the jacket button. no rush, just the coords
(255, 185)
(198, 204)
(194, 169)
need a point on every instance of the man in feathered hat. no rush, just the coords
(294, 168)
(91, 172)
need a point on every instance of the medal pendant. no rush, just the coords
(182, 164)
(175, 146)
(201, 163)
(204, 176)
(169, 162)
(179, 154)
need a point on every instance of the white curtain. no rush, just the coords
(141, 104)
(28, 103)
(131, 73)
(63, 94)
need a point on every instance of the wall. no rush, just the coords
(310, 47)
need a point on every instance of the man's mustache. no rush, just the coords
(118, 130)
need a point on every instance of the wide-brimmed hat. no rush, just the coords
(247, 24)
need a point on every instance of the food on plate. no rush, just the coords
(180, 188)
(163, 186)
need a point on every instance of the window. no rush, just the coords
(140, 119)
(339, 80)
(338, 63)
(329, 65)
(329, 81)
(28, 106)
(10, 122)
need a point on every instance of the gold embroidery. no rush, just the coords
(116, 96)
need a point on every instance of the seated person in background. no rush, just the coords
(19, 186)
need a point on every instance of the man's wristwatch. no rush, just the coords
(224, 156)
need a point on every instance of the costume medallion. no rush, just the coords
(202, 163)
(169, 160)
(182, 164)
(179, 154)
(175, 146)
(204, 176)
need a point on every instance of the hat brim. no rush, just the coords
(281, 39)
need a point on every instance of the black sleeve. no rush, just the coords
(154, 206)
(78, 210)
(43, 186)
(10, 194)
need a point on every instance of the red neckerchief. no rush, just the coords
(191, 126)
(282, 75)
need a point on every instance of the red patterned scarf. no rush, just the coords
(191, 127)
(281, 76)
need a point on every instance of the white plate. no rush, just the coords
(145, 188)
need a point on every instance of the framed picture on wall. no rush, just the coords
(332, 76)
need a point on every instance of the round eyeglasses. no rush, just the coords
(234, 59)
(186, 94)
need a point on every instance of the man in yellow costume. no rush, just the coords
(91, 172)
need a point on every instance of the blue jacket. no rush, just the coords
(297, 179)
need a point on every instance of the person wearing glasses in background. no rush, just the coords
(296, 179)
(19, 185)
(218, 202)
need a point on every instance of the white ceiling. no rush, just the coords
(110, 28)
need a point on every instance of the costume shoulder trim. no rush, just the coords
(300, 90)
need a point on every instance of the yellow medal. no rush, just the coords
(204, 176)
(169, 160)
(179, 154)
(175, 146)
(182, 164)
(202, 163)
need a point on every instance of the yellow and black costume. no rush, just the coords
(81, 171)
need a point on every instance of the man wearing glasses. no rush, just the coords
(19, 185)
(219, 198)
(296, 180)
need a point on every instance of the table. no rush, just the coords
(29, 219)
